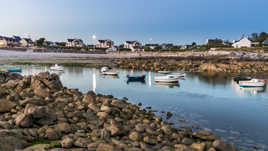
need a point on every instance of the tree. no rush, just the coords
(263, 36)
(40, 41)
(147, 48)
(194, 44)
(254, 36)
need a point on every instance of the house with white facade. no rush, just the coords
(7, 42)
(3, 42)
(105, 44)
(26, 42)
(133, 45)
(244, 42)
(74, 43)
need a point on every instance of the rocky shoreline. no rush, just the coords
(216, 65)
(38, 113)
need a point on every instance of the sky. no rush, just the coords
(163, 21)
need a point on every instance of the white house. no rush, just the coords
(105, 44)
(26, 42)
(3, 42)
(244, 42)
(133, 45)
(74, 43)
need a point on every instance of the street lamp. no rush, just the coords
(94, 37)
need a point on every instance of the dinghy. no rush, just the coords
(252, 83)
(178, 75)
(15, 70)
(167, 79)
(104, 69)
(164, 72)
(136, 77)
(56, 67)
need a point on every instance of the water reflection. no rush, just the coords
(94, 80)
(212, 78)
(141, 82)
(169, 85)
(149, 79)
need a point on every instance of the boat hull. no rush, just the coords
(252, 83)
(57, 69)
(14, 70)
(259, 84)
(109, 73)
(136, 78)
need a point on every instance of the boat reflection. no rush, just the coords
(110, 76)
(131, 81)
(169, 85)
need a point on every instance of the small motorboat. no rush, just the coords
(238, 78)
(15, 70)
(178, 75)
(57, 67)
(166, 79)
(136, 77)
(164, 72)
(109, 73)
(104, 69)
(252, 83)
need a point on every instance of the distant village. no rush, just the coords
(255, 40)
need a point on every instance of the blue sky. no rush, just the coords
(176, 21)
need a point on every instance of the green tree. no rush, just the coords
(263, 36)
(40, 41)
(147, 48)
(254, 36)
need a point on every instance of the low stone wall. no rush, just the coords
(194, 65)
(34, 110)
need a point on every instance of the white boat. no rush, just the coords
(252, 83)
(57, 67)
(166, 79)
(164, 72)
(109, 73)
(104, 69)
(178, 75)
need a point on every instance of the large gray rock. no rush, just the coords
(67, 142)
(6, 105)
(11, 140)
(106, 147)
(35, 111)
(82, 142)
(223, 146)
(24, 120)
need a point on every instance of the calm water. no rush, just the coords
(214, 103)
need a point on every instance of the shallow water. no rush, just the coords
(214, 103)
